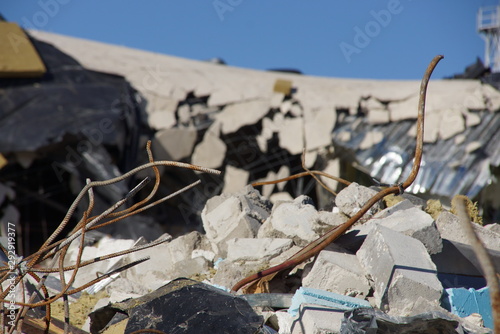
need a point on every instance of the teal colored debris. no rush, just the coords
(324, 298)
(464, 302)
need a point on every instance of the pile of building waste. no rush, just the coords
(406, 267)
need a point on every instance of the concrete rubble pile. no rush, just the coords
(399, 267)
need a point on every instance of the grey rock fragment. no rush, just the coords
(250, 249)
(401, 270)
(237, 215)
(337, 272)
(350, 200)
(415, 223)
(175, 143)
(450, 228)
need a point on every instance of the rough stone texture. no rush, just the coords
(293, 220)
(105, 246)
(401, 270)
(161, 119)
(159, 269)
(250, 249)
(337, 272)
(291, 135)
(349, 200)
(230, 216)
(415, 223)
(211, 151)
(228, 273)
(318, 127)
(403, 205)
(234, 179)
(174, 144)
(317, 319)
(236, 115)
(450, 228)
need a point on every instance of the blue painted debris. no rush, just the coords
(324, 298)
(464, 302)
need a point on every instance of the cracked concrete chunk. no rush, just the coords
(319, 125)
(234, 179)
(450, 228)
(401, 270)
(159, 120)
(236, 115)
(415, 223)
(291, 135)
(174, 144)
(262, 249)
(291, 220)
(337, 272)
(211, 151)
(351, 199)
(230, 216)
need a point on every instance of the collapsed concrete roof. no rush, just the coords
(461, 114)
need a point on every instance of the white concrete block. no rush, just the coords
(291, 135)
(401, 270)
(174, 144)
(236, 115)
(234, 179)
(251, 249)
(230, 216)
(211, 151)
(450, 228)
(161, 119)
(293, 220)
(349, 200)
(319, 125)
(337, 272)
(415, 223)
(317, 319)
(104, 246)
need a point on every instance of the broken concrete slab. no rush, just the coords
(412, 222)
(234, 179)
(400, 269)
(237, 215)
(210, 153)
(292, 220)
(318, 127)
(104, 246)
(158, 269)
(162, 120)
(339, 273)
(256, 249)
(291, 135)
(317, 319)
(349, 200)
(450, 228)
(228, 273)
(174, 144)
(236, 115)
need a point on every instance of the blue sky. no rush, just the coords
(390, 39)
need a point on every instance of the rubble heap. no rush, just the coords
(399, 266)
